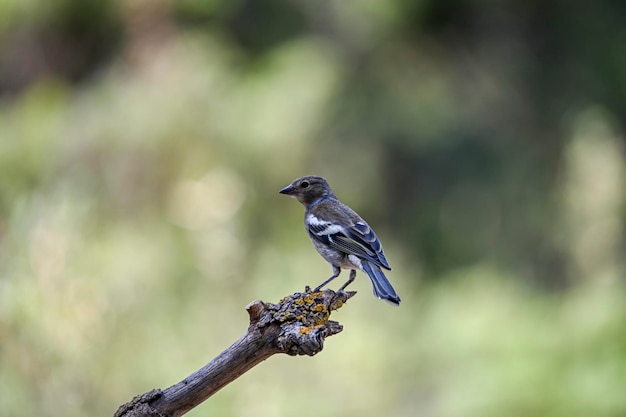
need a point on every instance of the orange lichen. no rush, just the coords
(321, 321)
(319, 307)
(309, 299)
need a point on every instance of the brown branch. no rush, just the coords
(297, 325)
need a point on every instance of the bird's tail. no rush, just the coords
(382, 286)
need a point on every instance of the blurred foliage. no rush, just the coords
(142, 144)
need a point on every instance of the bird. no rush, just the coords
(341, 236)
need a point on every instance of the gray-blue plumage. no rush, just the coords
(341, 236)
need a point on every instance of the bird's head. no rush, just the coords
(308, 189)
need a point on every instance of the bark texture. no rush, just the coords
(297, 325)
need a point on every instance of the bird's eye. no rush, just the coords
(304, 184)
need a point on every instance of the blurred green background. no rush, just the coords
(142, 145)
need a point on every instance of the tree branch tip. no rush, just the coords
(140, 406)
(255, 310)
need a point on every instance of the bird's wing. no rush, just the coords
(357, 239)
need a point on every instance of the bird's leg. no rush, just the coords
(350, 279)
(336, 272)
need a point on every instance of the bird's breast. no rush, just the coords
(336, 257)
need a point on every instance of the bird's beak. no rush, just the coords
(289, 190)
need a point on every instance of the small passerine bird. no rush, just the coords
(341, 236)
